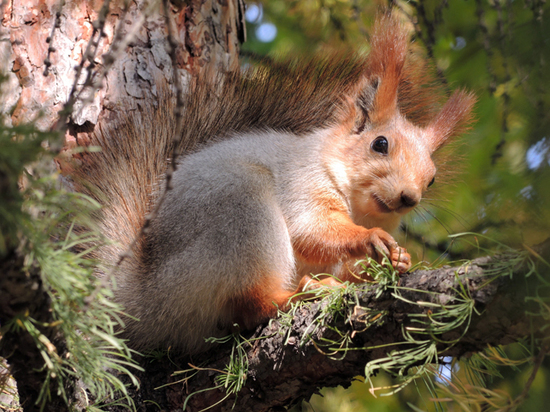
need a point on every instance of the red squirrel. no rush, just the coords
(288, 169)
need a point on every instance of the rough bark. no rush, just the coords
(283, 373)
(131, 43)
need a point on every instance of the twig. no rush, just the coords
(536, 366)
(49, 40)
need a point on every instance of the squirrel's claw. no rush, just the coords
(400, 259)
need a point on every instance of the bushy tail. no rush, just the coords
(126, 174)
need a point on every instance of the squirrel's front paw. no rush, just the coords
(400, 259)
(380, 244)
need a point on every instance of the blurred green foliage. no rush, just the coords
(500, 49)
(38, 221)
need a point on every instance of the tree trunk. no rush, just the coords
(124, 47)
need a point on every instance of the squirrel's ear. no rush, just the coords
(364, 103)
(452, 120)
(389, 45)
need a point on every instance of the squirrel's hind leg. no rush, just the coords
(262, 302)
(260, 276)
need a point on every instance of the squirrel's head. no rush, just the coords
(389, 156)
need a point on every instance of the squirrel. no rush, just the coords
(287, 169)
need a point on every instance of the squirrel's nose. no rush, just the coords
(409, 199)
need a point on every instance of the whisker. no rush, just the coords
(462, 221)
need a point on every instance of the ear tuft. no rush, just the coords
(453, 119)
(389, 45)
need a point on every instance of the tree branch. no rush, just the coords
(285, 367)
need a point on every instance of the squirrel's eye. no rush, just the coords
(380, 145)
(431, 182)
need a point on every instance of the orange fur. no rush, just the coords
(335, 238)
(453, 119)
(259, 302)
(389, 45)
